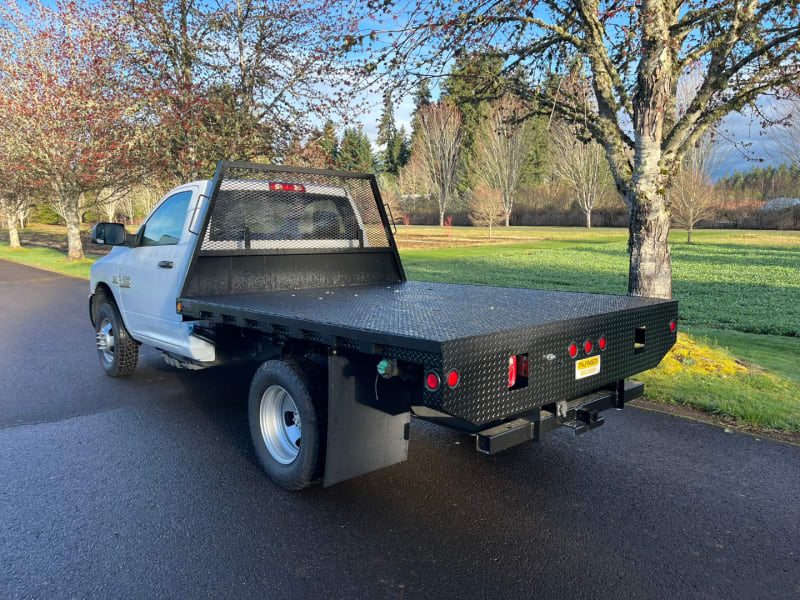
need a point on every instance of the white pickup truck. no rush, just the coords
(298, 269)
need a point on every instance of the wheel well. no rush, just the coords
(103, 292)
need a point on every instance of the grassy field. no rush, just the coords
(747, 281)
(739, 294)
(46, 258)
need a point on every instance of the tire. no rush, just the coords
(117, 350)
(288, 397)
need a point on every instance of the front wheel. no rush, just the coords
(287, 410)
(118, 351)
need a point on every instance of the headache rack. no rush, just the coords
(333, 223)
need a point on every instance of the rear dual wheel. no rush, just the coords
(287, 411)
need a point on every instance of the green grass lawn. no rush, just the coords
(739, 294)
(724, 282)
(46, 258)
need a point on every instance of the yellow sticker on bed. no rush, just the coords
(587, 366)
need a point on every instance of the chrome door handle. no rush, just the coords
(165, 264)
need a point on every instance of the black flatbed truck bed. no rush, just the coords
(345, 300)
(470, 328)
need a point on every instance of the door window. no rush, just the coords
(165, 226)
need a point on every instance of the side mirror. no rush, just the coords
(108, 234)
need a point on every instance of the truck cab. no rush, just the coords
(145, 275)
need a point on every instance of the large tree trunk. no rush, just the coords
(650, 266)
(508, 218)
(650, 271)
(588, 219)
(74, 246)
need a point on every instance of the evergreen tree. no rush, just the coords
(387, 136)
(355, 151)
(422, 98)
(386, 127)
(329, 142)
(402, 150)
(537, 139)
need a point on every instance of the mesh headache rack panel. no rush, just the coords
(263, 209)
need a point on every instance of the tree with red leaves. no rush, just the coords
(633, 53)
(65, 108)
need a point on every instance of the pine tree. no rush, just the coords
(386, 127)
(422, 98)
(387, 135)
(329, 142)
(355, 151)
(402, 148)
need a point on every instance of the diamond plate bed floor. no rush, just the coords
(434, 312)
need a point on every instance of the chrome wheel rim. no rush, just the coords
(280, 424)
(105, 340)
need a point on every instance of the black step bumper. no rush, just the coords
(581, 414)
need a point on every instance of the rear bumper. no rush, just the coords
(581, 414)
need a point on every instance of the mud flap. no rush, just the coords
(361, 439)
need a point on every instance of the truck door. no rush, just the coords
(150, 273)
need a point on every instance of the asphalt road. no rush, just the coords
(148, 487)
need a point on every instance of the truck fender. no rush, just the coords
(104, 289)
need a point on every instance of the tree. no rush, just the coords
(73, 118)
(329, 142)
(469, 86)
(390, 137)
(401, 150)
(11, 206)
(16, 192)
(486, 208)
(422, 98)
(692, 197)
(786, 133)
(414, 184)
(311, 153)
(501, 149)
(581, 166)
(231, 79)
(633, 53)
(439, 148)
(355, 151)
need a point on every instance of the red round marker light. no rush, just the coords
(601, 343)
(587, 345)
(573, 350)
(432, 381)
(452, 379)
(673, 326)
